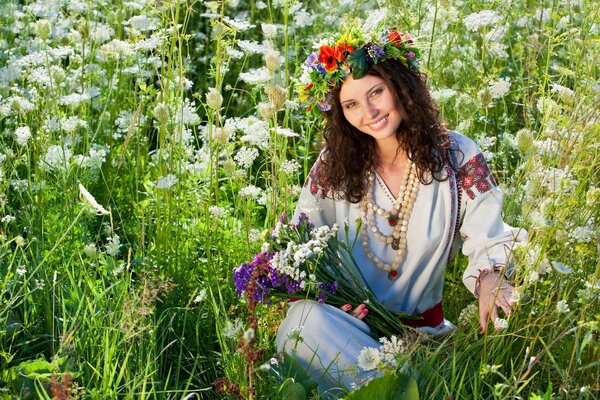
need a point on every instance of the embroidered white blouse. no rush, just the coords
(463, 210)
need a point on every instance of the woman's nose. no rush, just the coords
(371, 110)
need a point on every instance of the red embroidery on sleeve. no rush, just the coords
(476, 174)
(318, 182)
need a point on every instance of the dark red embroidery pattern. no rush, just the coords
(475, 174)
(318, 182)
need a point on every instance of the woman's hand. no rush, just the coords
(359, 312)
(494, 291)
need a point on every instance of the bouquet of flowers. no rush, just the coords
(301, 261)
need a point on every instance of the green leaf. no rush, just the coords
(357, 60)
(388, 387)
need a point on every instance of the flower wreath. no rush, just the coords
(351, 52)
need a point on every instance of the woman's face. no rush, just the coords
(370, 106)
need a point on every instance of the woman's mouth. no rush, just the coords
(379, 123)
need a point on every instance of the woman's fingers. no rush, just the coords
(346, 307)
(360, 311)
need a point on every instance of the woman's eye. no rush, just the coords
(350, 105)
(376, 92)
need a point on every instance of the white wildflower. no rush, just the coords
(290, 167)
(237, 24)
(246, 156)
(291, 105)
(74, 99)
(582, 234)
(255, 76)
(142, 23)
(369, 358)
(500, 323)
(21, 270)
(376, 16)
(563, 307)
(481, 19)
(303, 18)
(390, 349)
(119, 269)
(112, 245)
(499, 88)
(22, 135)
(200, 297)
(251, 191)
(90, 202)
(165, 182)
(231, 329)
(7, 219)
(565, 94)
(467, 314)
(287, 132)
(269, 30)
(443, 94)
(254, 235)
(251, 47)
(56, 157)
(217, 212)
(294, 333)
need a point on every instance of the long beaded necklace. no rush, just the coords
(397, 218)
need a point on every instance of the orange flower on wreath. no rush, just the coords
(328, 57)
(395, 37)
(342, 49)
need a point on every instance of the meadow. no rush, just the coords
(147, 148)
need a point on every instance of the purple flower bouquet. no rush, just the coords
(301, 261)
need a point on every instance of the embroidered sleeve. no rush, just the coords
(475, 177)
(316, 181)
(486, 240)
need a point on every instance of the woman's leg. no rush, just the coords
(326, 341)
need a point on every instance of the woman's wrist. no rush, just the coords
(495, 271)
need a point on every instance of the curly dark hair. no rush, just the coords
(349, 153)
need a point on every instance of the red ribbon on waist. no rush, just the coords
(432, 317)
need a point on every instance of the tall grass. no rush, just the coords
(138, 302)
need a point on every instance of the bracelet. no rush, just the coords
(483, 273)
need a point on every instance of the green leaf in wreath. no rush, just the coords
(388, 387)
(357, 60)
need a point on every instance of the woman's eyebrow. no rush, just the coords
(376, 86)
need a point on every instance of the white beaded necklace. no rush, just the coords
(398, 218)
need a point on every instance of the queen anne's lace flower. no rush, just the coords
(369, 358)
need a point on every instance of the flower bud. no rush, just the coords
(524, 140)
(272, 60)
(42, 28)
(161, 113)
(214, 99)
(277, 96)
(266, 110)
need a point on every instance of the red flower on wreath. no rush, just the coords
(395, 37)
(341, 50)
(327, 56)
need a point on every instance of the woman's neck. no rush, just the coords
(390, 154)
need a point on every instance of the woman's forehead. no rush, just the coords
(356, 87)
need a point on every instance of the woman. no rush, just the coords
(420, 191)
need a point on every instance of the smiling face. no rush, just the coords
(370, 106)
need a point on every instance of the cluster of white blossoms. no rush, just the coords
(166, 181)
(290, 167)
(485, 18)
(386, 356)
(499, 88)
(290, 260)
(245, 156)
